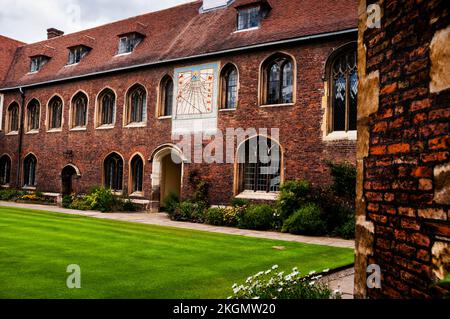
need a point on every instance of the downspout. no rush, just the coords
(19, 147)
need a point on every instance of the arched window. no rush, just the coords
(55, 113)
(33, 112)
(137, 172)
(229, 82)
(29, 170)
(5, 170)
(343, 79)
(13, 117)
(166, 98)
(79, 110)
(259, 160)
(113, 170)
(136, 98)
(278, 80)
(107, 107)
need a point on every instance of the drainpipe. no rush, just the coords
(19, 147)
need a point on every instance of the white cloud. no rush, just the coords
(28, 20)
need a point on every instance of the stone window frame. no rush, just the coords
(223, 86)
(50, 129)
(329, 134)
(24, 178)
(114, 191)
(263, 84)
(98, 109)
(131, 177)
(28, 129)
(8, 119)
(2, 100)
(161, 104)
(9, 172)
(128, 104)
(72, 111)
(257, 195)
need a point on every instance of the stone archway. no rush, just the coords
(167, 174)
(69, 175)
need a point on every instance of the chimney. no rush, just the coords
(53, 33)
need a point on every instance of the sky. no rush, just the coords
(28, 20)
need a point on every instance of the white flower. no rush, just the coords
(312, 283)
(312, 272)
(326, 270)
(234, 285)
(255, 297)
(268, 271)
(295, 269)
(281, 273)
(280, 290)
(229, 297)
(274, 267)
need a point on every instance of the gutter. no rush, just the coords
(204, 55)
(20, 144)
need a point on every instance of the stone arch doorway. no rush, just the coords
(167, 174)
(69, 176)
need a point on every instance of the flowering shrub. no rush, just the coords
(271, 284)
(259, 217)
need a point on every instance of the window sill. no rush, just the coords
(12, 133)
(227, 110)
(165, 117)
(277, 105)
(73, 64)
(32, 132)
(136, 125)
(31, 73)
(246, 30)
(54, 130)
(258, 195)
(78, 129)
(5, 186)
(341, 135)
(137, 194)
(122, 54)
(105, 127)
(117, 193)
(29, 188)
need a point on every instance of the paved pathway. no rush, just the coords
(162, 220)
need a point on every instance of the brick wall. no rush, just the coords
(300, 125)
(403, 206)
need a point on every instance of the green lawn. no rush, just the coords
(128, 260)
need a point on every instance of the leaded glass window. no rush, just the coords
(79, 110)
(13, 117)
(344, 89)
(229, 87)
(55, 113)
(259, 165)
(129, 42)
(5, 170)
(33, 111)
(280, 81)
(137, 100)
(137, 170)
(107, 107)
(113, 170)
(29, 165)
(249, 18)
(166, 104)
(77, 53)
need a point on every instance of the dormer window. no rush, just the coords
(77, 53)
(37, 62)
(128, 42)
(249, 17)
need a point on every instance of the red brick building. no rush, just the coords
(100, 106)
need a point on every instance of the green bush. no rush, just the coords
(271, 284)
(189, 211)
(347, 229)
(305, 221)
(260, 217)
(239, 202)
(344, 179)
(10, 194)
(67, 201)
(129, 206)
(215, 216)
(99, 198)
(293, 194)
(171, 202)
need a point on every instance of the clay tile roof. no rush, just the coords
(179, 32)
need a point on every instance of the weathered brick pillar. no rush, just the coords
(403, 191)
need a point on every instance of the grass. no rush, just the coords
(128, 260)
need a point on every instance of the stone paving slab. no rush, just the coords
(162, 219)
